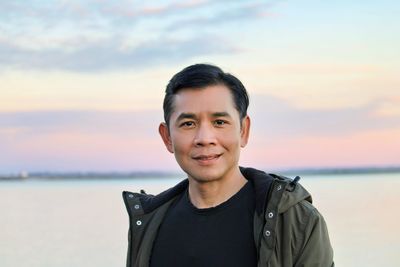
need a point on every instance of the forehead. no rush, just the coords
(214, 98)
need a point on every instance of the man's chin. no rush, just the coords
(205, 176)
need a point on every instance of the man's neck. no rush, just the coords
(210, 194)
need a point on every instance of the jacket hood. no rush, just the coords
(293, 194)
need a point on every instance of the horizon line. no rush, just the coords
(166, 173)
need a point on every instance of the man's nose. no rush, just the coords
(205, 135)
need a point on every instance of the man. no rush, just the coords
(222, 214)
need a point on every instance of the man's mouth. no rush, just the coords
(207, 158)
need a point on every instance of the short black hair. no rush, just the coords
(199, 76)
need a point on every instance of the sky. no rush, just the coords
(82, 82)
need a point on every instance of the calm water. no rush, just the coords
(84, 223)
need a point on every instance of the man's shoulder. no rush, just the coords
(293, 195)
(299, 212)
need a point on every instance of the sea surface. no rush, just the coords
(83, 223)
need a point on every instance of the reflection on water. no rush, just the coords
(84, 223)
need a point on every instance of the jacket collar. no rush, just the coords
(261, 181)
(150, 202)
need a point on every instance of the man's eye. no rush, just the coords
(219, 122)
(187, 124)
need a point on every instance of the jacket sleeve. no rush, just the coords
(317, 250)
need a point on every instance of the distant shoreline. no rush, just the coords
(85, 175)
(135, 175)
(342, 171)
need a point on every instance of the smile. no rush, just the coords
(207, 159)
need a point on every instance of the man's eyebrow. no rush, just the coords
(185, 116)
(221, 114)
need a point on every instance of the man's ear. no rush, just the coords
(164, 133)
(245, 131)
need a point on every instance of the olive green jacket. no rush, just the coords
(288, 229)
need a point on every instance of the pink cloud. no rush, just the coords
(100, 152)
(368, 148)
(68, 151)
(126, 141)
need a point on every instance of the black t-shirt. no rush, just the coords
(218, 236)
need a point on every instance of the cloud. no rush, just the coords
(128, 10)
(110, 55)
(138, 123)
(89, 14)
(109, 140)
(270, 115)
(275, 117)
(99, 35)
(80, 140)
(237, 13)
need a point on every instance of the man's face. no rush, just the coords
(205, 133)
